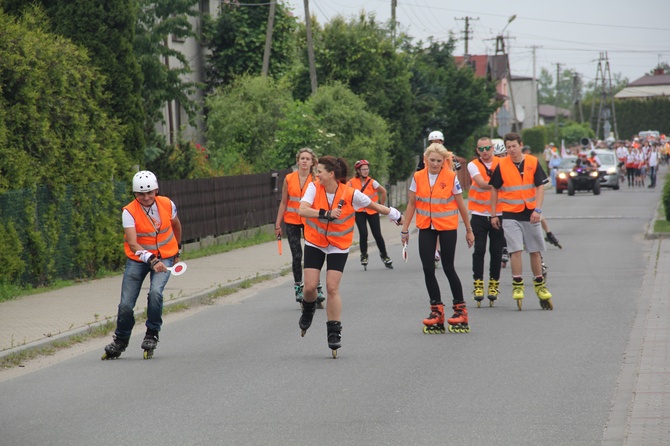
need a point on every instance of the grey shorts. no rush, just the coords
(520, 234)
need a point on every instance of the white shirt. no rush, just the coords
(152, 213)
(432, 178)
(473, 170)
(360, 200)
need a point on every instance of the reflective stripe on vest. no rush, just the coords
(436, 206)
(295, 193)
(338, 232)
(161, 242)
(479, 200)
(356, 183)
(517, 193)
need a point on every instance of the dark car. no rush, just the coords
(562, 172)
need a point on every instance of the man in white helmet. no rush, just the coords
(152, 244)
(434, 136)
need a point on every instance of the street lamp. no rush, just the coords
(510, 20)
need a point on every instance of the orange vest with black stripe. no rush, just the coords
(356, 183)
(339, 232)
(161, 241)
(436, 205)
(295, 193)
(517, 193)
(479, 200)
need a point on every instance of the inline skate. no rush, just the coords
(308, 309)
(458, 323)
(114, 350)
(334, 336)
(364, 261)
(493, 291)
(434, 323)
(319, 296)
(543, 294)
(505, 257)
(478, 291)
(517, 292)
(387, 261)
(149, 344)
(298, 288)
(551, 238)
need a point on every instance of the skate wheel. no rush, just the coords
(504, 265)
(104, 356)
(365, 267)
(426, 330)
(319, 305)
(334, 354)
(302, 333)
(491, 303)
(148, 354)
(479, 304)
(518, 304)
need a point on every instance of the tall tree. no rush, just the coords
(162, 67)
(106, 29)
(237, 41)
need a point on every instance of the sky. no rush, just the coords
(632, 36)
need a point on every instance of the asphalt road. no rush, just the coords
(238, 373)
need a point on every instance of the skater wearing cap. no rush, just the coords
(435, 195)
(479, 204)
(295, 185)
(328, 207)
(377, 193)
(152, 234)
(518, 188)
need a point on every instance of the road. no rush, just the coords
(237, 372)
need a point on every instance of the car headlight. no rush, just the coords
(562, 175)
(573, 174)
(611, 171)
(594, 174)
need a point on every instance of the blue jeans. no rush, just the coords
(133, 277)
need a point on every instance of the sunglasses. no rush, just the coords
(484, 148)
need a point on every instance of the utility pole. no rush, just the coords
(268, 39)
(466, 34)
(558, 114)
(605, 98)
(577, 96)
(534, 81)
(310, 47)
(394, 5)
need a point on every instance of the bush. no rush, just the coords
(535, 137)
(666, 198)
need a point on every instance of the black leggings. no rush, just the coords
(362, 218)
(294, 236)
(482, 229)
(427, 240)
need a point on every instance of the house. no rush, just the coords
(646, 87)
(547, 114)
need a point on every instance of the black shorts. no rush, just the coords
(315, 258)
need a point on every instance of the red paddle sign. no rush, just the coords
(178, 268)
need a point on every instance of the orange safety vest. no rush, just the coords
(516, 193)
(160, 242)
(356, 183)
(339, 232)
(436, 205)
(295, 193)
(479, 200)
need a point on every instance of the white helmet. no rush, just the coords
(436, 135)
(144, 181)
(499, 149)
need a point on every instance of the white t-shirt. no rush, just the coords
(152, 213)
(473, 170)
(360, 200)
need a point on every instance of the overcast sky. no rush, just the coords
(634, 33)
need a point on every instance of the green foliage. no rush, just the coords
(535, 137)
(666, 198)
(635, 115)
(572, 132)
(106, 30)
(10, 244)
(184, 160)
(237, 41)
(163, 83)
(242, 122)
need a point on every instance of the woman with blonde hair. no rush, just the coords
(295, 185)
(435, 195)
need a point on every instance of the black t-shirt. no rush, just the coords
(539, 179)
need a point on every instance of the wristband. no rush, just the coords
(538, 210)
(468, 230)
(404, 232)
(322, 214)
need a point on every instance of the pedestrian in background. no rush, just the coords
(435, 195)
(152, 244)
(377, 193)
(518, 187)
(328, 207)
(294, 187)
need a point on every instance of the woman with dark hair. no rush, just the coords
(328, 207)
